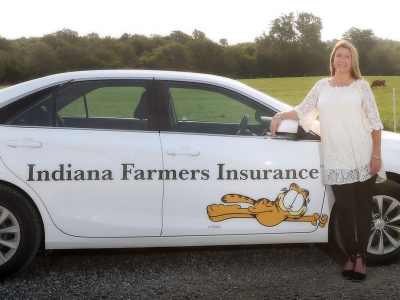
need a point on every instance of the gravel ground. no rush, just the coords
(298, 271)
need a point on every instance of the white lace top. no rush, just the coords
(347, 117)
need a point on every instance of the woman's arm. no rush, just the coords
(306, 112)
(376, 161)
(277, 119)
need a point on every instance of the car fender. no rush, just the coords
(390, 156)
(390, 151)
(11, 179)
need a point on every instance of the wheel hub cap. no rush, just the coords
(379, 224)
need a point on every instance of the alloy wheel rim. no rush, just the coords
(385, 229)
(9, 235)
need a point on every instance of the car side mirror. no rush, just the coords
(288, 130)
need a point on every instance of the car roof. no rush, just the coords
(19, 90)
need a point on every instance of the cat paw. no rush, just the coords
(323, 221)
(314, 221)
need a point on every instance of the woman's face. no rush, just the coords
(342, 60)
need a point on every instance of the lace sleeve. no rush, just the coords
(371, 114)
(307, 110)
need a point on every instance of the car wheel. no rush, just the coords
(384, 240)
(20, 232)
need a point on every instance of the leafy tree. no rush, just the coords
(42, 59)
(4, 44)
(223, 42)
(128, 57)
(179, 59)
(179, 37)
(282, 29)
(250, 50)
(69, 57)
(198, 35)
(140, 43)
(106, 59)
(396, 58)
(124, 37)
(383, 59)
(231, 61)
(309, 29)
(265, 56)
(14, 70)
(292, 47)
(110, 43)
(365, 41)
(2, 63)
(61, 38)
(170, 57)
(203, 53)
(68, 35)
(156, 41)
(290, 43)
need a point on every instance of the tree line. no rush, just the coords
(292, 47)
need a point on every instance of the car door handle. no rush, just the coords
(24, 143)
(183, 151)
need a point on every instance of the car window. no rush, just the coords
(201, 108)
(108, 104)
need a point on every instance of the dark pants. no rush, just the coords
(354, 209)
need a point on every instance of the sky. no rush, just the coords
(238, 21)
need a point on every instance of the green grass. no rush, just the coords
(208, 106)
(293, 90)
(100, 103)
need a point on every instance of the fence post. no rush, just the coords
(394, 109)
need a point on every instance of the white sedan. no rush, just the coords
(113, 159)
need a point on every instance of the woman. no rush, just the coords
(351, 147)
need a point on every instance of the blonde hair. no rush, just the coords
(355, 68)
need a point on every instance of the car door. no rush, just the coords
(224, 175)
(80, 149)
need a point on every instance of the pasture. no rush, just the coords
(293, 90)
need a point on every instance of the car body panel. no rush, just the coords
(55, 239)
(390, 151)
(107, 204)
(9, 178)
(252, 167)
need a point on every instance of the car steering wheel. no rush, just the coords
(243, 124)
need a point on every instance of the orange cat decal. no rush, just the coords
(290, 205)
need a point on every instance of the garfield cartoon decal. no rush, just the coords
(290, 205)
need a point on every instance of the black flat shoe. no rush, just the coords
(348, 274)
(357, 276)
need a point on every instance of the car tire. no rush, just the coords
(384, 242)
(20, 232)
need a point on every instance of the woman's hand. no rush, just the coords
(275, 122)
(277, 119)
(376, 164)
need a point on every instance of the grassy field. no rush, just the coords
(293, 91)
